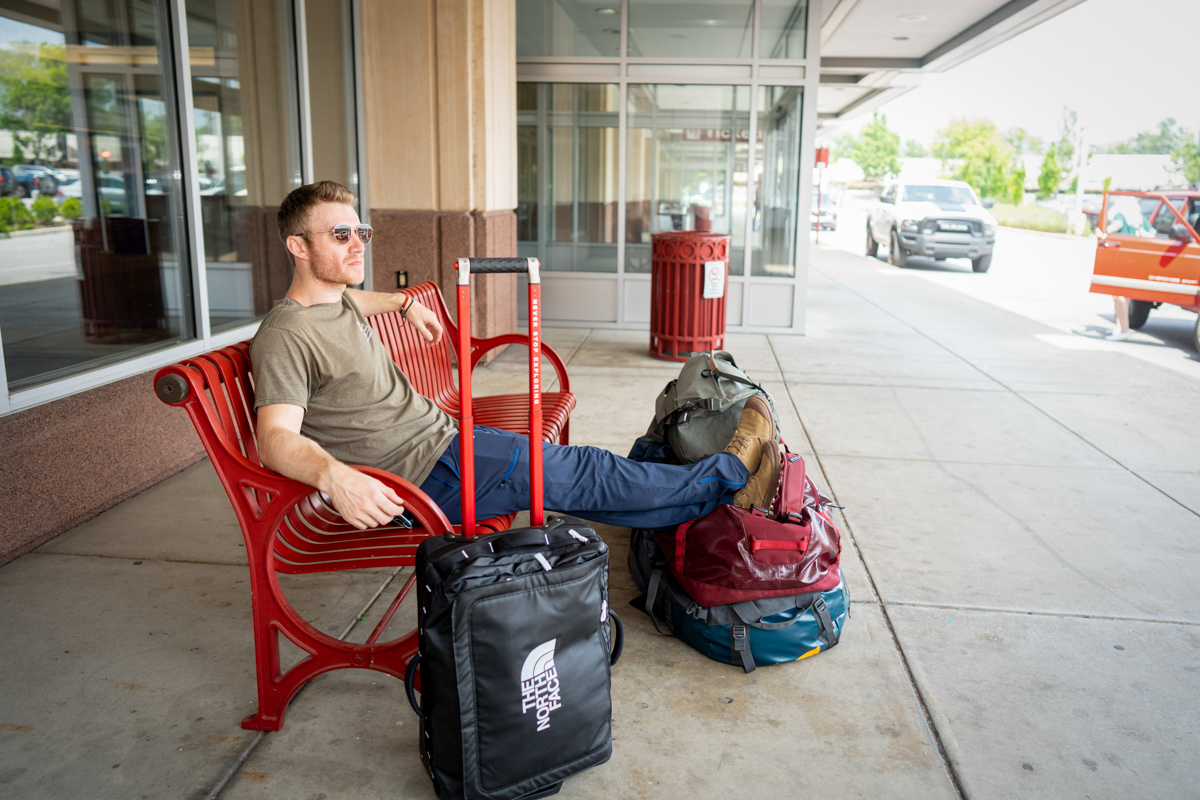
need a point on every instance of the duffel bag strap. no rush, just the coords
(739, 645)
(821, 611)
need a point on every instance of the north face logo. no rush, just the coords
(539, 683)
(365, 328)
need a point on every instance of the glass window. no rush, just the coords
(690, 29)
(92, 264)
(331, 89)
(247, 143)
(567, 175)
(777, 181)
(784, 23)
(568, 28)
(687, 149)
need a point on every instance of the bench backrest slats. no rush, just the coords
(429, 367)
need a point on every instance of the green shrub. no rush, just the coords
(1030, 217)
(16, 214)
(71, 208)
(44, 210)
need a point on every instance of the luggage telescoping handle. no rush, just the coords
(466, 443)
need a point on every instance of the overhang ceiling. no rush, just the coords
(872, 51)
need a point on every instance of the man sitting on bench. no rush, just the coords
(328, 394)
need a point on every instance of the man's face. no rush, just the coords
(328, 261)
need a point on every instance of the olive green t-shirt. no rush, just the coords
(357, 403)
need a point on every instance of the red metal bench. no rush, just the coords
(430, 368)
(287, 526)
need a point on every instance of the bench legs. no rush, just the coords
(274, 618)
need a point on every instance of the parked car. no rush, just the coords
(1149, 251)
(35, 178)
(940, 219)
(827, 220)
(111, 186)
(8, 182)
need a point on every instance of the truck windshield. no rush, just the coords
(942, 195)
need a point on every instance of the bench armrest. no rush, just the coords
(480, 347)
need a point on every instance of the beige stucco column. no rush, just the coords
(440, 87)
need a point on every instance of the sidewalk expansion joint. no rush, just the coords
(1019, 395)
(1027, 613)
(143, 558)
(231, 769)
(914, 687)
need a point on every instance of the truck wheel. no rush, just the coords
(1196, 335)
(896, 255)
(22, 192)
(982, 264)
(1139, 312)
(872, 245)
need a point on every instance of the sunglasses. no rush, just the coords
(342, 233)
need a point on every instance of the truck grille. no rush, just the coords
(951, 226)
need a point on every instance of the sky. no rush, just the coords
(1122, 66)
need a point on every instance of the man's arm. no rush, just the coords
(425, 321)
(362, 501)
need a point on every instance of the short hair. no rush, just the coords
(295, 208)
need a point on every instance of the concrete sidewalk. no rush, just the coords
(1021, 538)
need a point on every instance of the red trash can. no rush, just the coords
(682, 320)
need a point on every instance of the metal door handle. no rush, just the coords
(1109, 244)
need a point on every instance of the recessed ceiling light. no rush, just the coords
(900, 38)
(913, 17)
(606, 11)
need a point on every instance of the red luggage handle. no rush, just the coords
(466, 420)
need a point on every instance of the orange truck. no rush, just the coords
(1147, 249)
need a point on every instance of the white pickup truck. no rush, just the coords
(940, 219)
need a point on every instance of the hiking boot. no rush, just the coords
(760, 490)
(756, 427)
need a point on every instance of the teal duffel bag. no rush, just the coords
(750, 634)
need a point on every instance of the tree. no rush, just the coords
(1186, 157)
(1164, 141)
(877, 150)
(842, 147)
(35, 103)
(914, 149)
(1018, 184)
(975, 153)
(1022, 141)
(1050, 176)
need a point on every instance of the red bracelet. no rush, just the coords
(406, 305)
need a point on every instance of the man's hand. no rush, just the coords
(362, 501)
(425, 321)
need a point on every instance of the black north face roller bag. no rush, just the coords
(514, 659)
(514, 640)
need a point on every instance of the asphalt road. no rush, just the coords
(1043, 277)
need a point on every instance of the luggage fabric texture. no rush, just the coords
(748, 634)
(733, 554)
(515, 658)
(697, 413)
(749, 587)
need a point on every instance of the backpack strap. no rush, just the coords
(714, 369)
(656, 580)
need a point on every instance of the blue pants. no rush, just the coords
(584, 481)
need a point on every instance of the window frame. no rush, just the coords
(176, 52)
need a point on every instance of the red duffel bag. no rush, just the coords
(733, 555)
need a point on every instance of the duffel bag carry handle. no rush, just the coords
(618, 639)
(410, 676)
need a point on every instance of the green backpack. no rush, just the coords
(697, 413)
